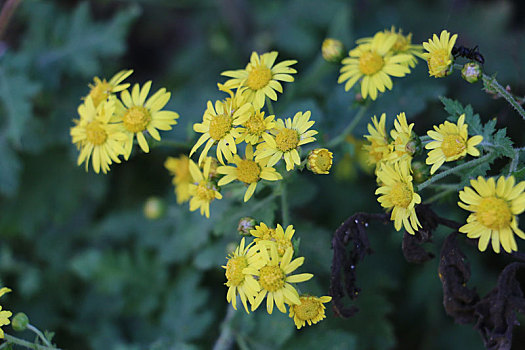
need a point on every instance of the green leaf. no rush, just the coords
(503, 143)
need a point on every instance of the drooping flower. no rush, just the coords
(248, 171)
(493, 208)
(238, 282)
(251, 131)
(397, 194)
(101, 90)
(203, 191)
(261, 77)
(140, 115)
(4, 314)
(451, 143)
(403, 145)
(311, 310)
(374, 63)
(180, 169)
(96, 137)
(378, 148)
(289, 135)
(439, 56)
(320, 161)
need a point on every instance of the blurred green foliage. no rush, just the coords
(78, 252)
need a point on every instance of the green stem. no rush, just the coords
(284, 205)
(455, 169)
(269, 105)
(342, 136)
(27, 344)
(515, 160)
(39, 334)
(493, 84)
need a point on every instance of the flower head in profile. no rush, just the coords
(311, 310)
(248, 171)
(320, 161)
(101, 90)
(289, 135)
(180, 169)
(397, 194)
(451, 142)
(96, 137)
(378, 147)
(251, 131)
(262, 232)
(238, 282)
(275, 279)
(203, 191)
(493, 206)
(4, 314)
(141, 114)
(261, 77)
(439, 54)
(282, 237)
(403, 145)
(373, 63)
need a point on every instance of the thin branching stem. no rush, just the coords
(26, 344)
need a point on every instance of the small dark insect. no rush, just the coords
(471, 54)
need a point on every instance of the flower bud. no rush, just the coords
(154, 208)
(320, 161)
(471, 72)
(245, 225)
(333, 50)
(420, 172)
(19, 322)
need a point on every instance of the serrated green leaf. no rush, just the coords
(503, 144)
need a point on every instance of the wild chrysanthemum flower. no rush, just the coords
(219, 126)
(494, 207)
(261, 77)
(140, 115)
(274, 280)
(262, 232)
(96, 137)
(253, 129)
(403, 145)
(378, 148)
(374, 63)
(180, 169)
(310, 310)
(281, 237)
(289, 135)
(439, 56)
(248, 171)
(238, 282)
(320, 161)
(101, 90)
(4, 315)
(203, 191)
(397, 193)
(451, 143)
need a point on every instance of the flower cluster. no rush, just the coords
(108, 125)
(263, 269)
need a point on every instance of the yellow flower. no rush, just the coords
(274, 280)
(397, 193)
(180, 168)
(494, 207)
(248, 171)
(374, 63)
(439, 56)
(96, 137)
(289, 135)
(451, 143)
(320, 161)
(253, 129)
(262, 232)
(218, 125)
(311, 310)
(332, 50)
(261, 77)
(103, 89)
(281, 237)
(203, 191)
(402, 146)
(239, 282)
(378, 148)
(4, 315)
(139, 115)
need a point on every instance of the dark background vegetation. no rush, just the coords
(79, 254)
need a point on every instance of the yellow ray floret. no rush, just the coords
(4, 314)
(378, 147)
(402, 147)
(180, 169)
(494, 207)
(439, 56)
(202, 191)
(101, 90)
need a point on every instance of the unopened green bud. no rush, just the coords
(420, 172)
(245, 225)
(19, 322)
(333, 50)
(154, 208)
(414, 147)
(471, 72)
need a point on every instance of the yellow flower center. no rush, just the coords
(220, 126)
(265, 234)
(439, 62)
(95, 133)
(320, 161)
(234, 269)
(259, 77)
(271, 278)
(287, 140)
(494, 213)
(136, 119)
(308, 309)
(453, 145)
(401, 195)
(370, 63)
(100, 91)
(205, 193)
(255, 124)
(248, 171)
